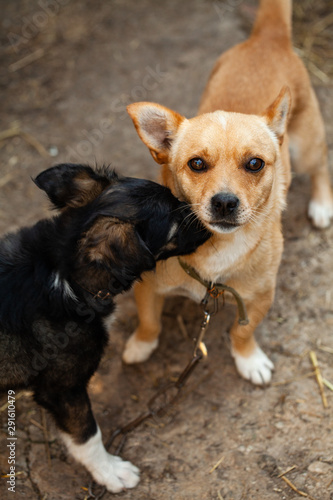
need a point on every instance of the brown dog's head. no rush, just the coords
(226, 165)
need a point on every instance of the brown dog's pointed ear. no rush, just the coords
(157, 126)
(70, 185)
(277, 113)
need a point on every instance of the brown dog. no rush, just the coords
(233, 167)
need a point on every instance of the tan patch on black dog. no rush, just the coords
(87, 189)
(106, 237)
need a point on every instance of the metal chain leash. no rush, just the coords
(167, 396)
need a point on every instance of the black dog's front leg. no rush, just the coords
(72, 412)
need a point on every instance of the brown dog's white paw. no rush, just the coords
(257, 367)
(137, 351)
(320, 214)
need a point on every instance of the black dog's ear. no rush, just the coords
(70, 185)
(118, 247)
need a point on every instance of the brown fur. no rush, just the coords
(97, 242)
(108, 240)
(86, 190)
(259, 120)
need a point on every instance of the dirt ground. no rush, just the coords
(68, 69)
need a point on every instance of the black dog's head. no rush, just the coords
(122, 224)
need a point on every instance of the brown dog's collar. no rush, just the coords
(216, 289)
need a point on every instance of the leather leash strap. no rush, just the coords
(216, 289)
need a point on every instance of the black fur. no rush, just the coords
(110, 230)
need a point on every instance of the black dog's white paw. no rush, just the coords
(116, 474)
(107, 470)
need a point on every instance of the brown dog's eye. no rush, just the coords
(197, 165)
(255, 165)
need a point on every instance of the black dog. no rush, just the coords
(57, 283)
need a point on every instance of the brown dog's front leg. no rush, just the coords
(145, 338)
(251, 362)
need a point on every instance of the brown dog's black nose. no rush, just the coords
(224, 204)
